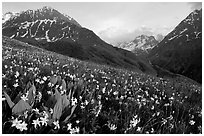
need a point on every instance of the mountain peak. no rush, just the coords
(9, 15)
(47, 8)
(45, 13)
(142, 36)
(42, 10)
(140, 45)
(181, 50)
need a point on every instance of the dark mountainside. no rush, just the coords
(51, 30)
(181, 50)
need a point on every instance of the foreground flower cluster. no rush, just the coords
(45, 92)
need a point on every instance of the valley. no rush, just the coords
(59, 77)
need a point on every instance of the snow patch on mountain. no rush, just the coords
(183, 30)
(70, 18)
(47, 37)
(141, 43)
(9, 15)
(172, 37)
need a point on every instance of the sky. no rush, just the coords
(117, 22)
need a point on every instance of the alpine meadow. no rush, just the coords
(59, 77)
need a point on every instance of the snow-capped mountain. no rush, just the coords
(9, 15)
(141, 44)
(49, 29)
(181, 50)
(45, 24)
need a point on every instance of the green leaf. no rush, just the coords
(72, 111)
(57, 111)
(51, 102)
(62, 102)
(80, 82)
(29, 85)
(53, 80)
(69, 95)
(31, 94)
(59, 79)
(57, 94)
(70, 85)
(65, 101)
(66, 112)
(20, 107)
(63, 84)
(8, 99)
(18, 98)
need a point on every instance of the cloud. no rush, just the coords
(195, 5)
(159, 37)
(115, 35)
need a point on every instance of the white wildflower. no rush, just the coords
(56, 123)
(17, 74)
(44, 78)
(104, 90)
(15, 85)
(77, 121)
(22, 126)
(134, 121)
(51, 111)
(49, 92)
(36, 123)
(139, 129)
(44, 121)
(164, 121)
(191, 122)
(16, 122)
(69, 126)
(115, 93)
(24, 98)
(74, 101)
(74, 130)
(36, 110)
(37, 80)
(112, 126)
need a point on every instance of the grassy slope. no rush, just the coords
(88, 46)
(133, 102)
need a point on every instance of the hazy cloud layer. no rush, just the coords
(115, 35)
(195, 5)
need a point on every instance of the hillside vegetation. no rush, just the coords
(50, 93)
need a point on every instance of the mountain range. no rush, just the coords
(59, 77)
(49, 29)
(180, 52)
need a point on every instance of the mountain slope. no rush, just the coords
(51, 30)
(140, 45)
(104, 96)
(181, 50)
